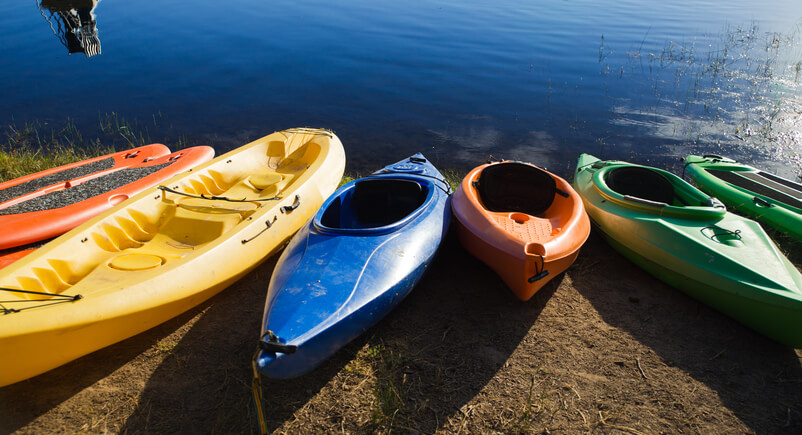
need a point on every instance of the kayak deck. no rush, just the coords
(719, 258)
(523, 222)
(362, 253)
(163, 251)
(774, 187)
(774, 201)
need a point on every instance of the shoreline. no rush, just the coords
(604, 346)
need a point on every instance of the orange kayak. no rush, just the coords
(6, 259)
(48, 203)
(525, 223)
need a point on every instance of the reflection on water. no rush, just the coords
(460, 80)
(73, 22)
(737, 94)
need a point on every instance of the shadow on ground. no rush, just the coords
(25, 401)
(754, 377)
(417, 367)
(204, 384)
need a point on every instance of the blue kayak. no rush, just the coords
(362, 253)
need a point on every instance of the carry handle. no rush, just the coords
(762, 202)
(286, 208)
(272, 344)
(539, 276)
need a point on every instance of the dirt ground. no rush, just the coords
(604, 348)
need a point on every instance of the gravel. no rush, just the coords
(18, 190)
(84, 191)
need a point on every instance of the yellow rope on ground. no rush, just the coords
(256, 389)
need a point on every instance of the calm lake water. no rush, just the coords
(646, 81)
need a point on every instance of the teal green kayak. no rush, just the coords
(772, 200)
(689, 240)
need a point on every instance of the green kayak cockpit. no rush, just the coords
(653, 190)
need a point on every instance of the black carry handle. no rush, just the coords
(286, 208)
(539, 276)
(273, 345)
(712, 156)
(542, 273)
(760, 201)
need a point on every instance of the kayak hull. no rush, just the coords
(163, 251)
(526, 250)
(338, 276)
(721, 259)
(10, 257)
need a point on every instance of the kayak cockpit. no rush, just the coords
(526, 202)
(516, 187)
(643, 183)
(655, 191)
(373, 203)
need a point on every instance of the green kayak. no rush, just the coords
(770, 199)
(689, 240)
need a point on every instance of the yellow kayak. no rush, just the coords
(163, 251)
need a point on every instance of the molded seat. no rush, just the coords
(516, 187)
(641, 183)
(380, 202)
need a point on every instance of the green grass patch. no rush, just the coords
(390, 390)
(34, 147)
(37, 145)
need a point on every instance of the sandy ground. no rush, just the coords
(604, 347)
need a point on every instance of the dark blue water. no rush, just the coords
(646, 81)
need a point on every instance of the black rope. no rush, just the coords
(579, 168)
(63, 299)
(5, 310)
(8, 310)
(723, 232)
(447, 190)
(31, 292)
(213, 198)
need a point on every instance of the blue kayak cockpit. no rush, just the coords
(375, 204)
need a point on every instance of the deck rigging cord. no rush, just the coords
(447, 190)
(215, 198)
(60, 299)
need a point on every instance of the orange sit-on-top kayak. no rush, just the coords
(525, 223)
(46, 204)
